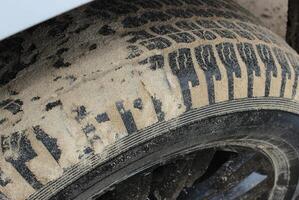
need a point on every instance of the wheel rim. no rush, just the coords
(213, 173)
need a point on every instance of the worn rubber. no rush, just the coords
(75, 87)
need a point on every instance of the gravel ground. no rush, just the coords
(272, 12)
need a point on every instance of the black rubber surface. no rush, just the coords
(279, 128)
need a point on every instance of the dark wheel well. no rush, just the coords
(293, 24)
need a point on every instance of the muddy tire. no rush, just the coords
(115, 88)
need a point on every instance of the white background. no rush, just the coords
(16, 15)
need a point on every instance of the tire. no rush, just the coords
(115, 87)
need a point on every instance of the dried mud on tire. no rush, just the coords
(76, 90)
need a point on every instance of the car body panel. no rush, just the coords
(17, 15)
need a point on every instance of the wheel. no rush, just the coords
(157, 99)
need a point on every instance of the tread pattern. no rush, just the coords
(112, 70)
(189, 31)
(157, 129)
